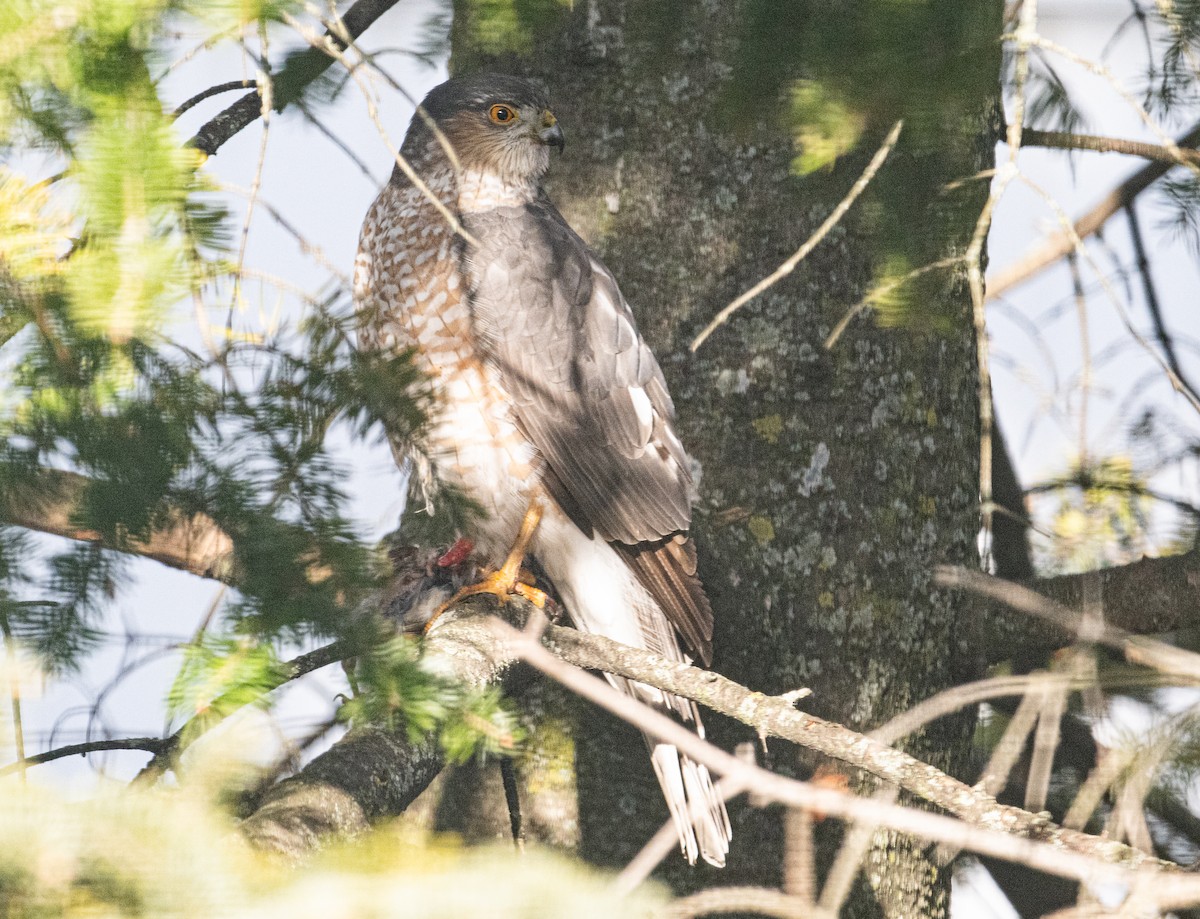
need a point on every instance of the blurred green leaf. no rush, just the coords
(511, 26)
(400, 692)
(824, 127)
(136, 854)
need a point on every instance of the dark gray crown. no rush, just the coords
(480, 90)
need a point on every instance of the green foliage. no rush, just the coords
(825, 128)
(96, 262)
(1097, 518)
(1050, 106)
(510, 26)
(134, 180)
(227, 15)
(839, 76)
(168, 854)
(1182, 195)
(405, 694)
(218, 676)
(882, 60)
(57, 629)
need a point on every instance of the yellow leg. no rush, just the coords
(507, 580)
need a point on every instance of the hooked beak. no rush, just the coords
(551, 134)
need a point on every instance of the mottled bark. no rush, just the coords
(830, 483)
(371, 773)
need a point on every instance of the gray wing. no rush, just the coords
(588, 392)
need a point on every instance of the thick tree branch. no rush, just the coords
(1148, 597)
(777, 717)
(369, 774)
(299, 71)
(372, 773)
(1059, 245)
(210, 92)
(1050, 848)
(192, 544)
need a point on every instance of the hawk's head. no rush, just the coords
(496, 123)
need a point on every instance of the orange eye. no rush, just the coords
(502, 114)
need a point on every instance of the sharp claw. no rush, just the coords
(532, 594)
(500, 585)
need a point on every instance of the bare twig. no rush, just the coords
(1063, 140)
(1056, 247)
(799, 871)
(840, 879)
(210, 92)
(958, 697)
(149, 744)
(1097, 144)
(307, 247)
(1051, 707)
(335, 49)
(14, 695)
(344, 147)
(266, 89)
(1117, 304)
(1025, 34)
(1000, 764)
(660, 845)
(1143, 266)
(1085, 356)
(821, 232)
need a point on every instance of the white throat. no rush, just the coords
(482, 190)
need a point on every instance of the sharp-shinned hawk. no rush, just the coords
(546, 394)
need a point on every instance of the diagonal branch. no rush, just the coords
(149, 744)
(300, 70)
(1004, 832)
(193, 544)
(1059, 245)
(1152, 304)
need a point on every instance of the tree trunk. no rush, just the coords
(831, 483)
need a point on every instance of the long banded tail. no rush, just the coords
(695, 804)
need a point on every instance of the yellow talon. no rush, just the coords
(511, 578)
